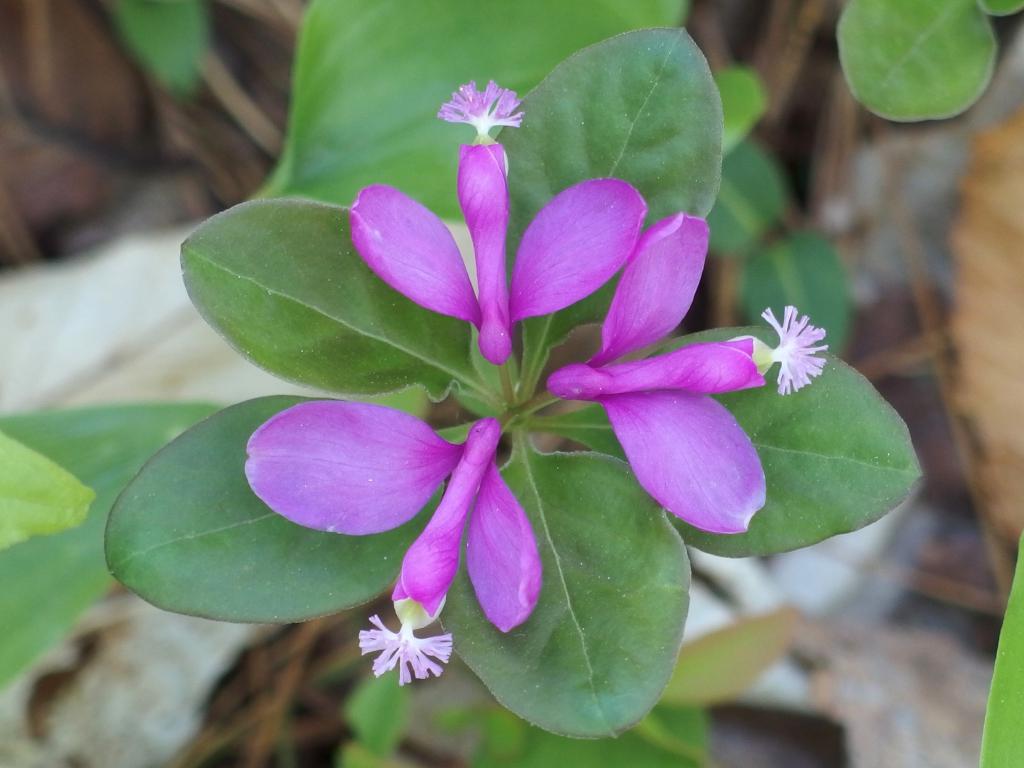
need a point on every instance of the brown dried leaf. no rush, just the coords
(988, 323)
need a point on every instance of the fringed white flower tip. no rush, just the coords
(797, 350)
(482, 109)
(412, 655)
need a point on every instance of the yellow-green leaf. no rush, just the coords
(36, 495)
(723, 664)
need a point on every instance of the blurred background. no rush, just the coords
(121, 129)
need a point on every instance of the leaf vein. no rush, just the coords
(362, 332)
(831, 457)
(193, 537)
(913, 49)
(643, 106)
(565, 589)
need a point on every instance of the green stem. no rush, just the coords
(507, 387)
(543, 400)
(533, 366)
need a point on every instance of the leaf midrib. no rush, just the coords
(832, 457)
(565, 589)
(926, 33)
(190, 537)
(456, 375)
(636, 118)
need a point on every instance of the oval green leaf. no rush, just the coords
(744, 101)
(803, 270)
(377, 711)
(916, 59)
(48, 581)
(751, 201)
(601, 644)
(37, 496)
(370, 77)
(189, 535)
(168, 38)
(642, 107)
(280, 280)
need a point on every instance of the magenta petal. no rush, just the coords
(577, 242)
(709, 368)
(432, 561)
(410, 249)
(347, 467)
(656, 288)
(501, 555)
(689, 453)
(483, 195)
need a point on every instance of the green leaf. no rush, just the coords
(355, 755)
(1002, 741)
(597, 651)
(189, 535)
(1001, 7)
(682, 731)
(614, 109)
(378, 712)
(744, 101)
(667, 738)
(836, 456)
(280, 280)
(588, 426)
(37, 496)
(803, 270)
(751, 201)
(370, 77)
(168, 37)
(721, 665)
(916, 59)
(49, 581)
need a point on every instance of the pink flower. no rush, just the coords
(359, 469)
(575, 244)
(685, 448)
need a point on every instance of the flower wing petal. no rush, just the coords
(411, 249)
(501, 555)
(689, 453)
(574, 245)
(351, 468)
(657, 286)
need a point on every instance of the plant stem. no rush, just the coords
(542, 400)
(532, 368)
(507, 387)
